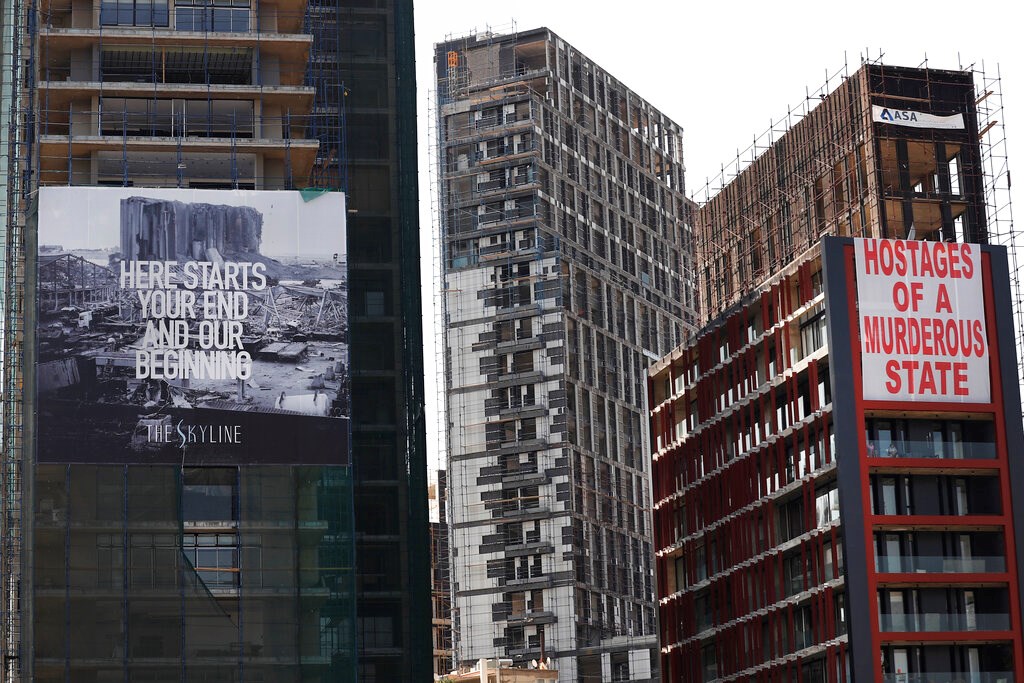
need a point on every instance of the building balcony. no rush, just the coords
(519, 344)
(951, 677)
(505, 252)
(520, 412)
(488, 126)
(519, 185)
(962, 450)
(478, 161)
(157, 148)
(520, 514)
(530, 582)
(507, 219)
(62, 45)
(58, 95)
(531, 618)
(514, 378)
(532, 548)
(517, 447)
(160, 16)
(294, 158)
(139, 119)
(935, 622)
(925, 564)
(524, 478)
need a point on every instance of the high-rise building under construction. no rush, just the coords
(283, 559)
(567, 268)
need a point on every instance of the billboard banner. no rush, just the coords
(916, 119)
(922, 321)
(196, 326)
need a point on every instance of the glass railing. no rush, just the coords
(952, 450)
(950, 677)
(937, 621)
(909, 564)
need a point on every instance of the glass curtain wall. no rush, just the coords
(163, 573)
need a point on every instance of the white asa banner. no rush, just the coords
(916, 119)
(922, 321)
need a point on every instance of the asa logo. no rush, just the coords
(898, 115)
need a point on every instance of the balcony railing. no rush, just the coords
(951, 677)
(951, 450)
(913, 564)
(938, 621)
(240, 125)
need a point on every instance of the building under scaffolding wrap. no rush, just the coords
(106, 569)
(566, 264)
(15, 148)
(440, 577)
(823, 169)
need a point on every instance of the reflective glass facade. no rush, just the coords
(163, 573)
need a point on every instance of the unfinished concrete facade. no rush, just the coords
(845, 170)
(567, 265)
(172, 93)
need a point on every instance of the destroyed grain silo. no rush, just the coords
(162, 230)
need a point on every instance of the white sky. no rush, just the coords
(723, 70)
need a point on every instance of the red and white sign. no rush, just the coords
(922, 321)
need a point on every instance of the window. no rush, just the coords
(828, 563)
(515, 638)
(375, 304)
(953, 166)
(968, 439)
(377, 631)
(709, 662)
(209, 494)
(620, 666)
(229, 16)
(214, 558)
(146, 64)
(827, 507)
(793, 574)
(840, 612)
(133, 13)
(109, 561)
(702, 609)
(813, 333)
(700, 562)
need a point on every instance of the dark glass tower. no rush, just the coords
(116, 558)
(375, 59)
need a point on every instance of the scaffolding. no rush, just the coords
(439, 339)
(826, 168)
(234, 97)
(237, 96)
(559, 199)
(16, 172)
(996, 178)
(440, 578)
(328, 117)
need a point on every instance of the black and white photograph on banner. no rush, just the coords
(178, 320)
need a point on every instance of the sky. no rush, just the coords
(723, 70)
